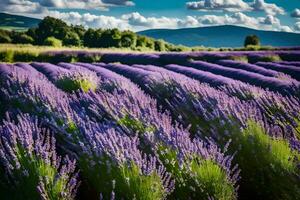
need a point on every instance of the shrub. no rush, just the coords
(268, 165)
(159, 45)
(72, 39)
(5, 39)
(33, 169)
(263, 58)
(75, 82)
(197, 178)
(251, 40)
(7, 56)
(25, 56)
(22, 38)
(52, 41)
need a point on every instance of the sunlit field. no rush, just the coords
(95, 123)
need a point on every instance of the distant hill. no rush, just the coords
(16, 22)
(221, 36)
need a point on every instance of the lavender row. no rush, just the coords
(293, 71)
(270, 83)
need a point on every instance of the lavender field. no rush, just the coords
(217, 126)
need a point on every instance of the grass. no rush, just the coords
(14, 28)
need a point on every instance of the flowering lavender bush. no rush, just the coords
(32, 168)
(193, 126)
(269, 165)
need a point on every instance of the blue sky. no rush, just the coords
(278, 15)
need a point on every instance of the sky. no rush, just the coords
(136, 15)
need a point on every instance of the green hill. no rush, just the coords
(16, 22)
(222, 36)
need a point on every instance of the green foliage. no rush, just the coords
(71, 84)
(51, 27)
(37, 171)
(239, 58)
(4, 37)
(128, 39)
(125, 179)
(7, 56)
(251, 40)
(144, 187)
(197, 178)
(77, 36)
(135, 125)
(268, 165)
(267, 58)
(143, 41)
(25, 56)
(52, 41)
(159, 45)
(213, 179)
(21, 38)
(72, 39)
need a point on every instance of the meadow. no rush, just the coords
(92, 124)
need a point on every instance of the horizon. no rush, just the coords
(138, 15)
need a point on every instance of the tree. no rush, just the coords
(80, 30)
(252, 40)
(21, 38)
(128, 39)
(143, 41)
(159, 45)
(52, 27)
(72, 39)
(4, 37)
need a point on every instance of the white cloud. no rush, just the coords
(90, 20)
(271, 20)
(235, 6)
(135, 21)
(42, 6)
(296, 13)
(297, 26)
(269, 8)
(226, 5)
(21, 6)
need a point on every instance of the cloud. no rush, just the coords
(21, 6)
(226, 5)
(136, 21)
(90, 20)
(119, 2)
(43, 6)
(269, 8)
(235, 6)
(297, 26)
(296, 13)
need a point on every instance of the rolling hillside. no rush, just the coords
(222, 36)
(16, 22)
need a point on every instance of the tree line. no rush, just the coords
(57, 33)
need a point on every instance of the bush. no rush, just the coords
(72, 39)
(22, 38)
(268, 165)
(159, 45)
(197, 178)
(7, 56)
(5, 39)
(25, 56)
(251, 40)
(74, 82)
(52, 41)
(264, 58)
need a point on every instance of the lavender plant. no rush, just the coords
(33, 170)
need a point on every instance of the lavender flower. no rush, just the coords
(32, 167)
